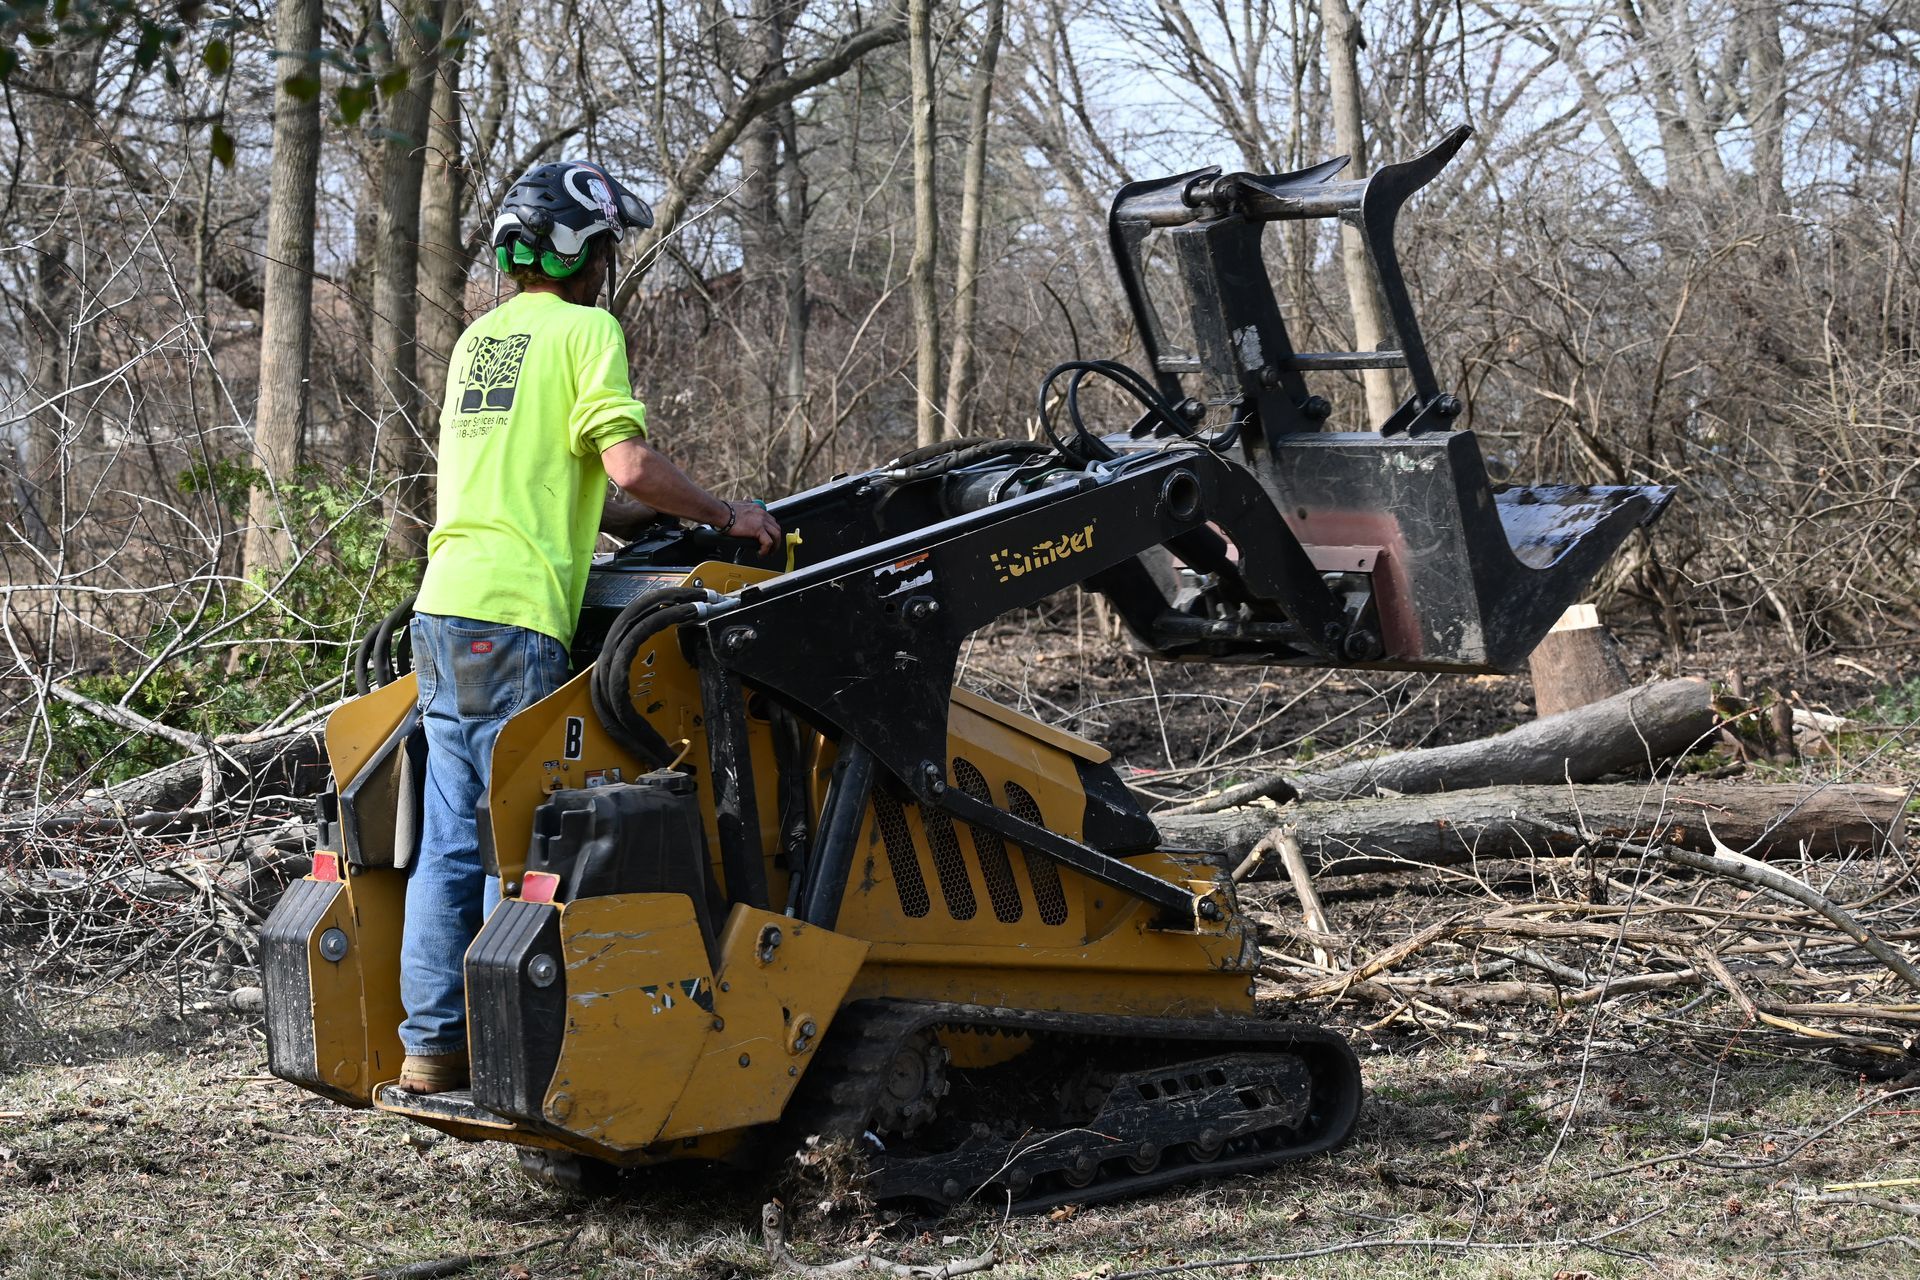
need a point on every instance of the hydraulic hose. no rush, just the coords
(933, 460)
(638, 623)
(1083, 445)
(374, 664)
(362, 658)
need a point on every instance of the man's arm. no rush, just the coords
(647, 476)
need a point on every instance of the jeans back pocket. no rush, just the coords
(489, 669)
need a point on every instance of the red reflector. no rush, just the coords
(539, 886)
(326, 866)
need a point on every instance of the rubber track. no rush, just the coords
(840, 1088)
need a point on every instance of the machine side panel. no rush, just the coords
(780, 983)
(379, 899)
(357, 730)
(636, 968)
(1065, 941)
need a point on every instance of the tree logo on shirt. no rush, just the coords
(493, 372)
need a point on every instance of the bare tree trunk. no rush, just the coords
(286, 317)
(1676, 61)
(363, 271)
(972, 193)
(39, 481)
(926, 227)
(760, 57)
(1342, 36)
(400, 431)
(444, 262)
(799, 435)
(52, 122)
(1767, 102)
(1296, 239)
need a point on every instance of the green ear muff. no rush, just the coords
(560, 268)
(521, 254)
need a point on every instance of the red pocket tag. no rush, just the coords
(480, 646)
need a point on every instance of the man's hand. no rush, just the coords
(751, 520)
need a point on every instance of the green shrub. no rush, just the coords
(238, 664)
(1895, 704)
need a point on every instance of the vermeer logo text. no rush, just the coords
(1012, 564)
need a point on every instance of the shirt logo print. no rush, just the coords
(493, 372)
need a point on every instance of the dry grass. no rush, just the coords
(136, 1143)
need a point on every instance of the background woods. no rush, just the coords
(236, 244)
(1627, 979)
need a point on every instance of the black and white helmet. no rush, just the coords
(551, 216)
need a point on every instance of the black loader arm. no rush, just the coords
(870, 641)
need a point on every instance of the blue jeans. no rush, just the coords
(473, 675)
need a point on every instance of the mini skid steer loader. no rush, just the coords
(767, 873)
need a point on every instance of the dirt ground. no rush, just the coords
(141, 1137)
(138, 1142)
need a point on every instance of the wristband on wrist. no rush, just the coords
(733, 514)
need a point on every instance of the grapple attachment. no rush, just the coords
(1462, 575)
(1439, 569)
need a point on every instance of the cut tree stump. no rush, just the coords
(1353, 836)
(1576, 663)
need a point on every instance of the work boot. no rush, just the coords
(434, 1072)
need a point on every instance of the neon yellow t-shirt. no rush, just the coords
(536, 389)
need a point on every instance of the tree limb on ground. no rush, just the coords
(1723, 861)
(439, 1268)
(773, 1225)
(1276, 787)
(1631, 730)
(290, 764)
(1906, 1207)
(1353, 836)
(1246, 1262)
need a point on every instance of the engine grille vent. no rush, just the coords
(1048, 896)
(949, 864)
(907, 881)
(994, 867)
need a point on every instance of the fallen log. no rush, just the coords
(251, 885)
(1353, 836)
(288, 764)
(291, 764)
(1635, 729)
